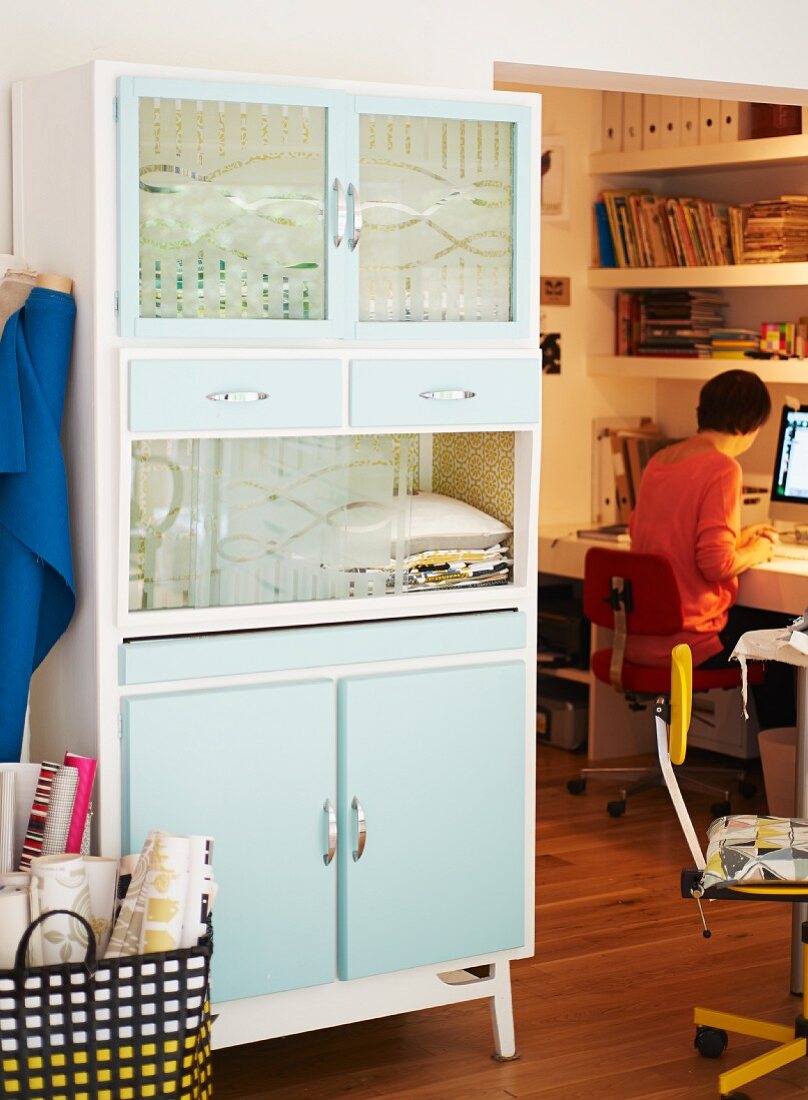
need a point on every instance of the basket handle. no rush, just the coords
(90, 961)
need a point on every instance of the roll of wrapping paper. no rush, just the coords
(200, 872)
(16, 878)
(15, 916)
(166, 893)
(61, 883)
(86, 768)
(25, 781)
(125, 939)
(102, 880)
(60, 810)
(7, 787)
(32, 844)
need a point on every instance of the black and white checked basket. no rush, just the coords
(118, 1029)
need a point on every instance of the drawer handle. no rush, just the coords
(332, 831)
(361, 829)
(238, 395)
(447, 395)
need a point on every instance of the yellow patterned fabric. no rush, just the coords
(749, 849)
(477, 467)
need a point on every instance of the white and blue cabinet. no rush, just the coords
(425, 809)
(310, 213)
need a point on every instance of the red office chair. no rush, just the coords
(632, 593)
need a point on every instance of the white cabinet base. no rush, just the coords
(254, 1019)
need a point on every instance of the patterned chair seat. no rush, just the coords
(748, 849)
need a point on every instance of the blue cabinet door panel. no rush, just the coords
(251, 767)
(436, 761)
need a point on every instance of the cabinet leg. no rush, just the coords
(502, 1017)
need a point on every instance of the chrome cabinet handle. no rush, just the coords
(342, 212)
(356, 204)
(447, 395)
(332, 831)
(361, 829)
(238, 395)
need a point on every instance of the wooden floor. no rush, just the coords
(603, 1010)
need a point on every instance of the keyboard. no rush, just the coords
(791, 551)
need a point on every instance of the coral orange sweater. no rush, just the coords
(690, 512)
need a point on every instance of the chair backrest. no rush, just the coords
(654, 604)
(671, 734)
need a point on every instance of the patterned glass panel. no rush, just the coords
(232, 210)
(437, 197)
(224, 522)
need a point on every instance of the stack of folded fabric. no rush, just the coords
(451, 544)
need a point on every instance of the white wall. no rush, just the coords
(451, 43)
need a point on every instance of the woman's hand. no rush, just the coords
(756, 531)
(758, 550)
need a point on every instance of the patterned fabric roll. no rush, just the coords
(86, 768)
(7, 795)
(32, 845)
(60, 811)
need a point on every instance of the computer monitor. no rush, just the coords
(789, 498)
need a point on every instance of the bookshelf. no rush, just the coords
(772, 372)
(774, 152)
(720, 275)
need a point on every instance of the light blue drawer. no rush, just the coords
(168, 395)
(170, 659)
(415, 392)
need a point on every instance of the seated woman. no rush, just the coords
(689, 511)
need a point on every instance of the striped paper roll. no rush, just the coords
(32, 845)
(166, 893)
(86, 768)
(7, 793)
(60, 811)
(15, 916)
(61, 882)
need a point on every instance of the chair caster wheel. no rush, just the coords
(616, 809)
(711, 1042)
(747, 790)
(721, 809)
(576, 786)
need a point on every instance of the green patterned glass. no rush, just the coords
(232, 210)
(227, 522)
(437, 241)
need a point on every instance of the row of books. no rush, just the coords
(635, 228)
(669, 323)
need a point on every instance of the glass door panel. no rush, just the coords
(438, 205)
(230, 522)
(227, 206)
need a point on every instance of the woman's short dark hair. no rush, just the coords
(735, 402)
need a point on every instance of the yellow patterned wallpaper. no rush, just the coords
(477, 467)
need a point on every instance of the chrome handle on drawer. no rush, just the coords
(342, 212)
(238, 395)
(447, 395)
(332, 831)
(358, 219)
(361, 829)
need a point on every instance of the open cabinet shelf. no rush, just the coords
(774, 152)
(793, 371)
(720, 275)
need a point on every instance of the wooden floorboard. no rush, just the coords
(603, 1010)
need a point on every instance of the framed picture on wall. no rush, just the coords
(554, 178)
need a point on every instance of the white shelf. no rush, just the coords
(794, 371)
(577, 675)
(762, 153)
(723, 275)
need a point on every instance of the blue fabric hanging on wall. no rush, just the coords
(37, 591)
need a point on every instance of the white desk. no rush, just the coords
(615, 731)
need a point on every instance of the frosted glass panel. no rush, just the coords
(232, 199)
(223, 522)
(437, 197)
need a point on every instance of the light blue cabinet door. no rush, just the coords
(232, 210)
(251, 767)
(435, 760)
(441, 218)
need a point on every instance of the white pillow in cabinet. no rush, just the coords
(438, 522)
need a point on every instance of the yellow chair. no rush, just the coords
(748, 858)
